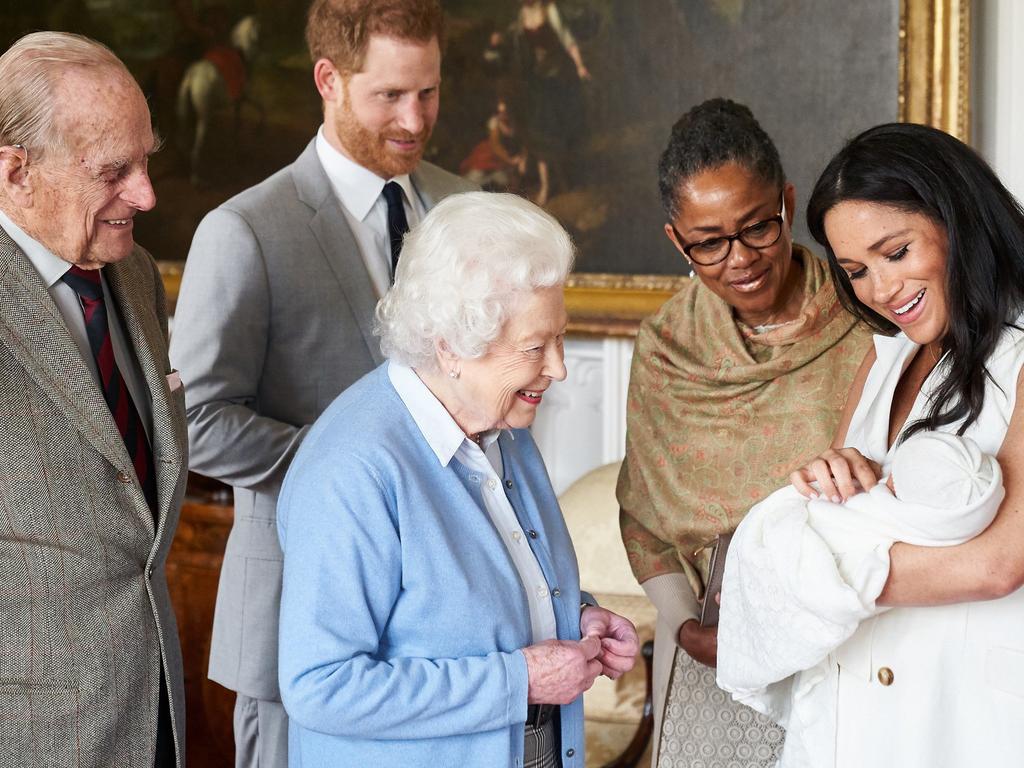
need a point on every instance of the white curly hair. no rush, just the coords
(462, 270)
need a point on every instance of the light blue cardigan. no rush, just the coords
(402, 615)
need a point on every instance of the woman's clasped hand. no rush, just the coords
(560, 670)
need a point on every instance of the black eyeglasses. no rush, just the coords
(760, 234)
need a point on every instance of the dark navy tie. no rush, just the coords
(86, 283)
(398, 225)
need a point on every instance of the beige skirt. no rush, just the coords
(704, 728)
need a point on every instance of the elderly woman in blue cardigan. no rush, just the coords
(431, 612)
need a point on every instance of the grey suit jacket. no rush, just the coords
(274, 320)
(85, 616)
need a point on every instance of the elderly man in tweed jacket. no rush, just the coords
(93, 455)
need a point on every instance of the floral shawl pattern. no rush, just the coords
(718, 415)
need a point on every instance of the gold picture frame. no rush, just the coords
(934, 76)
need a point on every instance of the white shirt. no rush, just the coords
(51, 269)
(366, 210)
(448, 441)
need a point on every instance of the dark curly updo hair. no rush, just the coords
(711, 134)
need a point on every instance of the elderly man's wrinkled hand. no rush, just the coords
(560, 670)
(619, 640)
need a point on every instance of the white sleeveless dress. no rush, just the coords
(956, 673)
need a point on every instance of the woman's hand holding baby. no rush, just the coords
(839, 472)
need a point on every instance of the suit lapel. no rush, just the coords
(426, 185)
(134, 296)
(33, 330)
(337, 244)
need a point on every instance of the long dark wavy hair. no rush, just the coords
(918, 169)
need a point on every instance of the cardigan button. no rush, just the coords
(123, 477)
(570, 752)
(556, 592)
(885, 676)
(532, 533)
(508, 483)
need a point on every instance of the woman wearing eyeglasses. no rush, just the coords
(738, 380)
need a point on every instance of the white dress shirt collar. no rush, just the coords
(439, 429)
(49, 266)
(357, 187)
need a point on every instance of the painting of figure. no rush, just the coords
(545, 57)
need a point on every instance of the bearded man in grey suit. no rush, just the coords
(275, 313)
(93, 456)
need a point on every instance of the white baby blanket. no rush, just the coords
(799, 578)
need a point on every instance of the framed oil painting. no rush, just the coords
(568, 102)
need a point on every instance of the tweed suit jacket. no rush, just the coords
(85, 616)
(274, 320)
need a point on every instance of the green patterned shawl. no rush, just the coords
(719, 415)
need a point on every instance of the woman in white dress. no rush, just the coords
(925, 242)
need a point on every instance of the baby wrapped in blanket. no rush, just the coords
(802, 574)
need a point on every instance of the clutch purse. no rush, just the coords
(716, 570)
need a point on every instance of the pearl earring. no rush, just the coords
(453, 374)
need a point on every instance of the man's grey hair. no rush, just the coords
(29, 72)
(462, 271)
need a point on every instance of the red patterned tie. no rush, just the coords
(86, 283)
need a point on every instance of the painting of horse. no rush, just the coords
(214, 83)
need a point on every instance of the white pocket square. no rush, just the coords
(174, 381)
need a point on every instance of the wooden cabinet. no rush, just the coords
(193, 569)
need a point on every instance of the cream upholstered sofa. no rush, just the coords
(617, 731)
